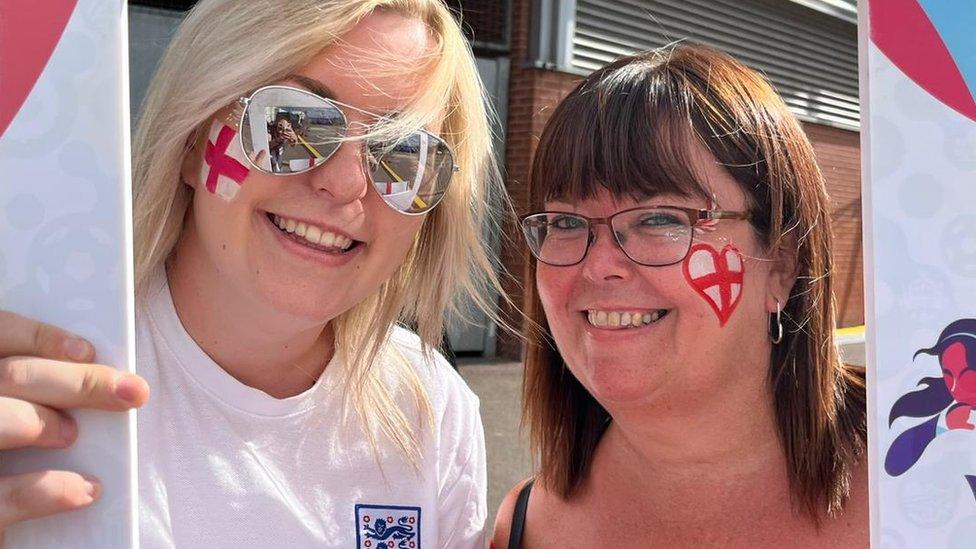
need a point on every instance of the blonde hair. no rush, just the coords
(209, 64)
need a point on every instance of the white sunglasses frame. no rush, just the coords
(244, 102)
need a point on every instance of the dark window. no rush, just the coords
(180, 5)
(485, 22)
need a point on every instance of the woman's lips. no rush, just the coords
(623, 319)
(299, 245)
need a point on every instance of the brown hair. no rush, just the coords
(624, 128)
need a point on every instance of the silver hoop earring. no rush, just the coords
(779, 325)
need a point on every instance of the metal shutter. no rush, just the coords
(810, 57)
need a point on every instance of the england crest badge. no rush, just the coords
(387, 527)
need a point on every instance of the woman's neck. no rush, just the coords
(697, 453)
(261, 348)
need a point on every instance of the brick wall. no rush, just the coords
(534, 92)
(838, 153)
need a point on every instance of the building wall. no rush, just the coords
(839, 156)
(532, 95)
(534, 92)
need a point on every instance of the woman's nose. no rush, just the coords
(342, 176)
(605, 260)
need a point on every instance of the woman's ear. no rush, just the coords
(782, 275)
(192, 158)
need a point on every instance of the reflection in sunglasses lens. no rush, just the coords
(296, 130)
(411, 174)
(290, 131)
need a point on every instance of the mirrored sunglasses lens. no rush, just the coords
(288, 131)
(412, 174)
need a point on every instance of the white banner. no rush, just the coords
(918, 135)
(65, 233)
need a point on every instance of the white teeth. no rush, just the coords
(626, 319)
(312, 234)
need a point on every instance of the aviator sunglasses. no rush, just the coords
(299, 131)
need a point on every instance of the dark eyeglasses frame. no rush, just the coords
(695, 215)
(243, 102)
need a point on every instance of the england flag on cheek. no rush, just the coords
(224, 165)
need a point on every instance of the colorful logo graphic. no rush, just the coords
(950, 397)
(30, 34)
(933, 43)
(387, 527)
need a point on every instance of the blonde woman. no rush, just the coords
(288, 407)
(694, 397)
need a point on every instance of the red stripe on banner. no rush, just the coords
(222, 164)
(903, 31)
(29, 32)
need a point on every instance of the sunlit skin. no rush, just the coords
(260, 305)
(687, 356)
(692, 457)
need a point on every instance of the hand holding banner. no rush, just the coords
(65, 234)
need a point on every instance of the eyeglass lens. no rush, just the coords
(649, 236)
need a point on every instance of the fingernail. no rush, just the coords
(92, 487)
(69, 430)
(128, 388)
(76, 348)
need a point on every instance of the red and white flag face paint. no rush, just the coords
(224, 164)
(716, 276)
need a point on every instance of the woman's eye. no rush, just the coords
(659, 220)
(567, 223)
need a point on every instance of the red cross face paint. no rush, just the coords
(225, 167)
(716, 276)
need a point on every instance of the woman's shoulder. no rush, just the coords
(505, 516)
(509, 517)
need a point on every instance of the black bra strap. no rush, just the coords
(518, 517)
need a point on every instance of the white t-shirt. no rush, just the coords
(222, 464)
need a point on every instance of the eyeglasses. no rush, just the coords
(299, 130)
(654, 236)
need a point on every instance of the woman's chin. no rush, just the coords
(308, 304)
(613, 382)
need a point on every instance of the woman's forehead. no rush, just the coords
(604, 200)
(377, 66)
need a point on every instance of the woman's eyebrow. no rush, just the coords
(313, 86)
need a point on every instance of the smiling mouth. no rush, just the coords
(623, 320)
(311, 236)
